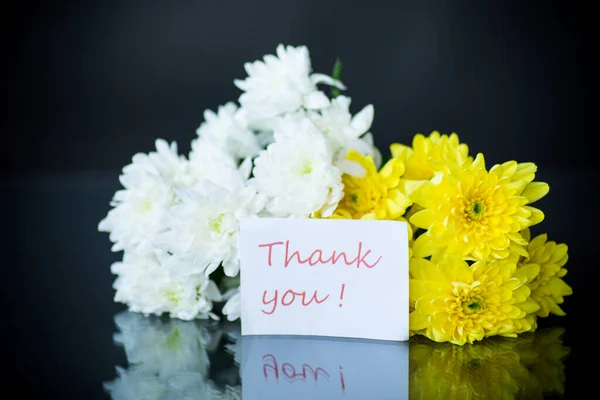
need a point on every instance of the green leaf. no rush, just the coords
(337, 75)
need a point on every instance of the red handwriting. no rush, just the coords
(292, 374)
(289, 372)
(288, 298)
(270, 246)
(316, 257)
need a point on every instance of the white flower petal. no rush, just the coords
(352, 168)
(343, 131)
(316, 101)
(232, 309)
(227, 130)
(362, 121)
(321, 78)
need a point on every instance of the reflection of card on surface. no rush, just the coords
(343, 278)
(295, 367)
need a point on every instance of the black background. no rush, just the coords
(88, 84)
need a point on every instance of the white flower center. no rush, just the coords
(305, 167)
(216, 224)
(173, 295)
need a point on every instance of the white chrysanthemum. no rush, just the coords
(149, 183)
(146, 285)
(233, 308)
(203, 229)
(282, 84)
(296, 172)
(207, 162)
(229, 131)
(346, 132)
(164, 347)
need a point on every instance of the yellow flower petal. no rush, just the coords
(423, 219)
(535, 191)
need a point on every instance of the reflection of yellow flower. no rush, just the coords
(478, 214)
(458, 303)
(543, 354)
(430, 154)
(369, 194)
(547, 289)
(486, 370)
(497, 368)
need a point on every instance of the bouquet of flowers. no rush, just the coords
(289, 150)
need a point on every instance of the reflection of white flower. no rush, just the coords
(296, 171)
(136, 383)
(169, 360)
(147, 286)
(164, 347)
(149, 183)
(227, 130)
(282, 84)
(203, 229)
(230, 393)
(344, 131)
(235, 348)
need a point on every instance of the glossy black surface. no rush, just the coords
(61, 317)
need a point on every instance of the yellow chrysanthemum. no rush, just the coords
(369, 194)
(458, 303)
(476, 214)
(431, 154)
(485, 370)
(547, 289)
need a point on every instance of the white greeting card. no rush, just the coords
(342, 278)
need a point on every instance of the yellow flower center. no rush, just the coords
(474, 305)
(475, 210)
(468, 299)
(475, 364)
(365, 199)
